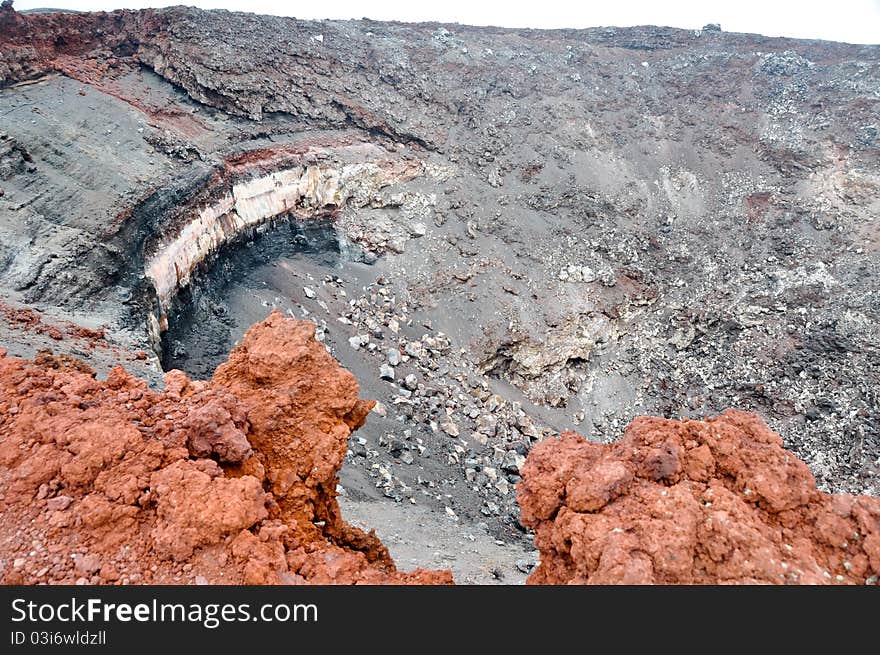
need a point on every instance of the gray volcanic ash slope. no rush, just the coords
(502, 233)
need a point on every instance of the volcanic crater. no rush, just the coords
(505, 235)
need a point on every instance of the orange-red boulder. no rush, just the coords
(692, 502)
(228, 481)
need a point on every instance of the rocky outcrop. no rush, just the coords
(228, 481)
(692, 502)
(14, 157)
(548, 370)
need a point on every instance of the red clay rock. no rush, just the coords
(218, 428)
(197, 505)
(28, 319)
(692, 502)
(230, 481)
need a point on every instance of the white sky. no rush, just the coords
(853, 21)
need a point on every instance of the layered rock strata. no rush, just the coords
(267, 186)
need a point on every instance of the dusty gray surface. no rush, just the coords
(421, 537)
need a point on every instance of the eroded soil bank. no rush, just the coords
(210, 315)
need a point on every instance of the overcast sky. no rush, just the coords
(854, 21)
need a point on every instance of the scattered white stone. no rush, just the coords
(449, 427)
(310, 293)
(396, 244)
(574, 273)
(494, 402)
